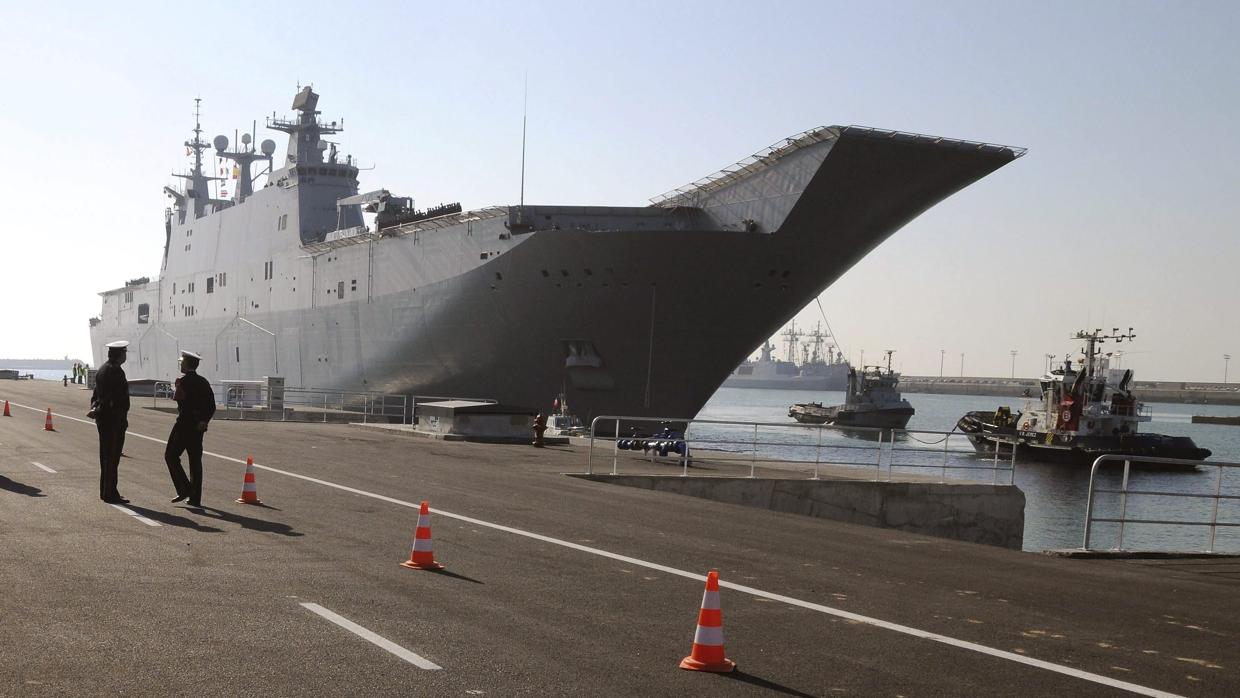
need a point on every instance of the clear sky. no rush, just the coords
(1124, 212)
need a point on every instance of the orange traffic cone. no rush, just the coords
(249, 488)
(6, 409)
(47, 425)
(423, 556)
(707, 654)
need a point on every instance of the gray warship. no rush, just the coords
(818, 370)
(637, 311)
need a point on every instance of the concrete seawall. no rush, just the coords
(1146, 391)
(976, 513)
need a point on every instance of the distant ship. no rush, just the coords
(873, 400)
(1084, 411)
(819, 369)
(636, 311)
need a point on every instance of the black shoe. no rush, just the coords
(197, 505)
(179, 498)
(116, 500)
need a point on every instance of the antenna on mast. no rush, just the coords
(525, 103)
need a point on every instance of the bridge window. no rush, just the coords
(144, 313)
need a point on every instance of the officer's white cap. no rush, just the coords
(191, 355)
(118, 344)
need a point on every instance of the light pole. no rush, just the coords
(962, 364)
(942, 356)
(1226, 360)
(1013, 364)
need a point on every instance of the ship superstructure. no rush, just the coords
(637, 311)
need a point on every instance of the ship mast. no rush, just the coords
(1092, 339)
(196, 181)
(243, 156)
(792, 337)
(305, 145)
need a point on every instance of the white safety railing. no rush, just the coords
(802, 446)
(1127, 491)
(300, 404)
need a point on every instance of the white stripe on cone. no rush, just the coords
(708, 636)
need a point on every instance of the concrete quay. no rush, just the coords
(554, 585)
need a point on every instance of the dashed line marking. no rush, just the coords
(371, 637)
(839, 613)
(40, 466)
(136, 515)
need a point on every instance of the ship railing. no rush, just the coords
(252, 400)
(890, 454)
(1185, 499)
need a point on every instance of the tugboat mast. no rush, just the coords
(1092, 339)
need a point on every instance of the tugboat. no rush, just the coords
(1084, 412)
(873, 400)
(561, 423)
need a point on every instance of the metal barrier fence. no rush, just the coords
(804, 445)
(314, 404)
(1125, 492)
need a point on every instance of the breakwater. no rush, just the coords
(1186, 392)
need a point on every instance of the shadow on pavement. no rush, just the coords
(20, 488)
(167, 519)
(246, 521)
(752, 680)
(454, 575)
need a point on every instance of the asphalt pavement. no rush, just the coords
(552, 585)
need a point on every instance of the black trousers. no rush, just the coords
(111, 443)
(185, 438)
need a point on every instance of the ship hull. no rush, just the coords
(1077, 450)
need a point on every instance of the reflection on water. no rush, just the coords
(1055, 495)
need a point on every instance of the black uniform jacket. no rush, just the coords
(111, 396)
(195, 401)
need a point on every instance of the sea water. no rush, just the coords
(42, 373)
(1055, 494)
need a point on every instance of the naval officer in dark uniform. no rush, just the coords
(109, 405)
(195, 407)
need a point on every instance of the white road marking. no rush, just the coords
(375, 639)
(42, 467)
(136, 515)
(840, 613)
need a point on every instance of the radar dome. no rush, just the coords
(245, 139)
(268, 146)
(322, 145)
(221, 143)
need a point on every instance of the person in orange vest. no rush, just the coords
(195, 407)
(109, 407)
